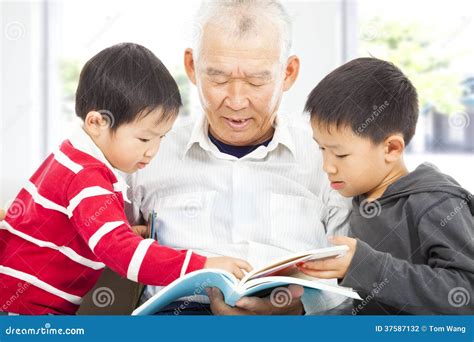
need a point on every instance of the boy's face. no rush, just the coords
(132, 146)
(354, 165)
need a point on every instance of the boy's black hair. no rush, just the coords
(124, 82)
(370, 95)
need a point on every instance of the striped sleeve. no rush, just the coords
(97, 212)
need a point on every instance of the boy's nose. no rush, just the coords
(329, 168)
(151, 152)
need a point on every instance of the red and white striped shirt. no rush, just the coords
(66, 225)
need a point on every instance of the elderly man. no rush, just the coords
(241, 180)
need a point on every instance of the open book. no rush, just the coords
(280, 272)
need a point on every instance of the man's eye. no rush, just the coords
(144, 140)
(220, 81)
(321, 148)
(257, 84)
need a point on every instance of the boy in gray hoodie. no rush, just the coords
(412, 233)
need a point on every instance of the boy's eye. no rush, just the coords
(321, 148)
(341, 155)
(144, 140)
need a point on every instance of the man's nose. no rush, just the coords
(236, 96)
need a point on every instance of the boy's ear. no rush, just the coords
(95, 124)
(394, 147)
(291, 72)
(189, 65)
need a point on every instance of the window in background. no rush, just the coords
(432, 44)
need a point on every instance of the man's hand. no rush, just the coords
(335, 267)
(232, 265)
(256, 305)
(2, 214)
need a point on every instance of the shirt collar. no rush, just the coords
(84, 143)
(200, 137)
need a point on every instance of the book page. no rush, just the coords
(286, 265)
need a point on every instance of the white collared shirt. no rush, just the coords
(274, 201)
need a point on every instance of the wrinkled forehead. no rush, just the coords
(257, 49)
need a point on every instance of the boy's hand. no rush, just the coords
(335, 267)
(2, 214)
(141, 230)
(232, 265)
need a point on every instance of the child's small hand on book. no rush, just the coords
(141, 231)
(334, 267)
(232, 265)
(2, 214)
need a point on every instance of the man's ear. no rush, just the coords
(291, 72)
(394, 146)
(189, 65)
(95, 124)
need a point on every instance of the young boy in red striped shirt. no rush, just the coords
(72, 222)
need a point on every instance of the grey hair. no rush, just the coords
(241, 17)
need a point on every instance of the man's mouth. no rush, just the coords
(237, 124)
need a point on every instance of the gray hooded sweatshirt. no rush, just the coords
(415, 247)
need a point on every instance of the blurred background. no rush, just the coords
(44, 45)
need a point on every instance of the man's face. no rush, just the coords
(240, 84)
(354, 164)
